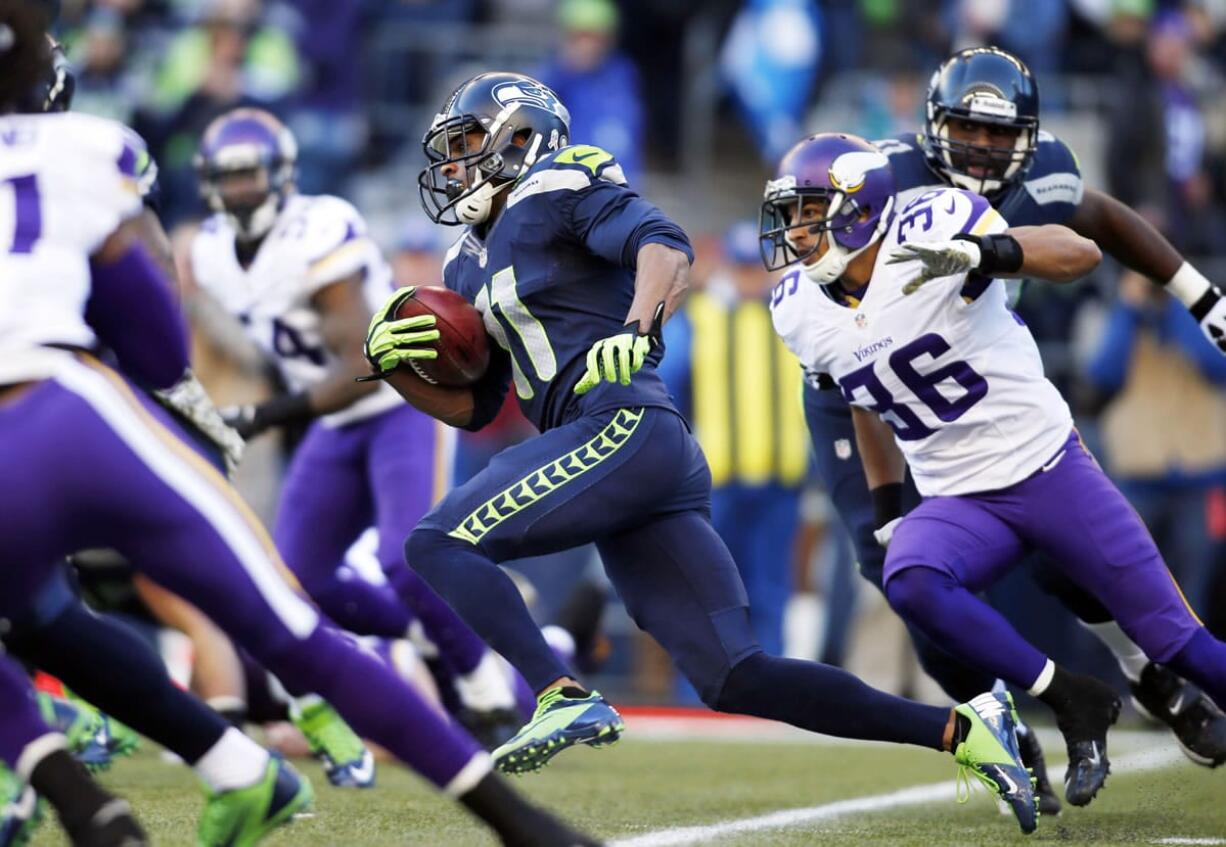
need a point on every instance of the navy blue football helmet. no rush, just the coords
(513, 120)
(983, 85)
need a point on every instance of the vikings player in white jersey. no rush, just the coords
(303, 276)
(904, 310)
(90, 461)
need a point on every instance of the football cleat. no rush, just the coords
(346, 760)
(243, 816)
(989, 752)
(112, 825)
(21, 810)
(560, 721)
(1084, 727)
(84, 726)
(1032, 758)
(1199, 726)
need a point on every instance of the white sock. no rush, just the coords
(1131, 658)
(486, 687)
(1045, 677)
(298, 705)
(235, 761)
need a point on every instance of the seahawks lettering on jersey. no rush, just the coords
(1049, 192)
(550, 279)
(945, 369)
(67, 181)
(316, 241)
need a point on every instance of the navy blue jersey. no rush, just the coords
(1047, 193)
(553, 275)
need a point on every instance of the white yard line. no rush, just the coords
(1153, 758)
(1190, 841)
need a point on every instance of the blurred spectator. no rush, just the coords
(770, 63)
(234, 56)
(745, 390)
(1164, 428)
(326, 117)
(417, 259)
(598, 83)
(105, 84)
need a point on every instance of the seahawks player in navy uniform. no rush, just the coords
(574, 274)
(982, 134)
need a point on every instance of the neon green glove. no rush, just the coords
(390, 342)
(618, 357)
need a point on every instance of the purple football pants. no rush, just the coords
(88, 462)
(377, 472)
(950, 548)
(23, 723)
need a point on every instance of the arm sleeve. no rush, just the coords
(1186, 332)
(131, 292)
(491, 389)
(1108, 368)
(615, 223)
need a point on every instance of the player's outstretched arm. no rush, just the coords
(1137, 245)
(343, 317)
(1052, 252)
(662, 276)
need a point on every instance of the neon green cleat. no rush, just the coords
(84, 726)
(346, 760)
(21, 810)
(242, 817)
(559, 722)
(989, 752)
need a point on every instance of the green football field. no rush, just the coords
(738, 791)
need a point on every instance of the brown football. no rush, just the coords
(463, 347)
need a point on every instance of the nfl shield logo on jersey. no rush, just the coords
(842, 448)
(861, 320)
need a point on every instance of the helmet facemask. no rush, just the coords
(489, 166)
(247, 189)
(781, 221)
(999, 165)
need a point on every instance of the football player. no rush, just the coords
(906, 312)
(118, 472)
(574, 275)
(302, 276)
(982, 134)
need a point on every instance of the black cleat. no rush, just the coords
(1032, 758)
(491, 728)
(1198, 724)
(111, 826)
(1084, 724)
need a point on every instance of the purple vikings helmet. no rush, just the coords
(857, 183)
(247, 143)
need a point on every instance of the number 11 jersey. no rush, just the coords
(950, 368)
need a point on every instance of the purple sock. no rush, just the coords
(454, 638)
(22, 722)
(1202, 661)
(963, 625)
(377, 704)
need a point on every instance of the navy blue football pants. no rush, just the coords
(635, 482)
(839, 467)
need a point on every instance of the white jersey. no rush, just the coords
(67, 181)
(952, 370)
(315, 242)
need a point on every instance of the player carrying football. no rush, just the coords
(574, 274)
(906, 312)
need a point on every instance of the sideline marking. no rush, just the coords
(1154, 758)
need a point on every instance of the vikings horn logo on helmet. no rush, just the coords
(849, 171)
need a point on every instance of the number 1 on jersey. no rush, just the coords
(500, 294)
(27, 213)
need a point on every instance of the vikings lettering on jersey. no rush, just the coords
(945, 364)
(67, 181)
(553, 275)
(316, 241)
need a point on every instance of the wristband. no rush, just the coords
(998, 252)
(887, 503)
(282, 409)
(1191, 288)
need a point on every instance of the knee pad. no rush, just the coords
(915, 590)
(423, 547)
(748, 675)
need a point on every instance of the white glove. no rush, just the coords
(885, 533)
(189, 399)
(937, 259)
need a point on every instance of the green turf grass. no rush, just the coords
(642, 786)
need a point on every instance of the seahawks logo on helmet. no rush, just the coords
(527, 92)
